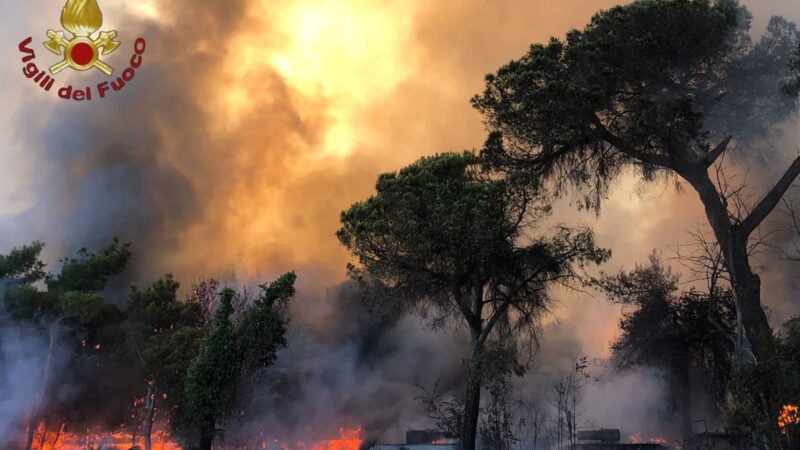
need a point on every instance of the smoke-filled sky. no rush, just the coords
(253, 123)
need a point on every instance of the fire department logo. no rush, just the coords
(82, 50)
(82, 18)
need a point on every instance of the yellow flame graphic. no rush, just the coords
(82, 17)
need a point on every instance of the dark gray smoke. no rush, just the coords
(345, 367)
(146, 166)
(142, 164)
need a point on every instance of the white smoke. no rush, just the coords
(22, 354)
(634, 401)
(350, 369)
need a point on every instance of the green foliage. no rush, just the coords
(436, 217)
(164, 336)
(22, 265)
(212, 374)
(72, 295)
(792, 87)
(662, 327)
(82, 328)
(440, 227)
(278, 293)
(19, 270)
(262, 330)
(648, 84)
(447, 414)
(158, 307)
(231, 351)
(497, 428)
(26, 302)
(759, 392)
(90, 272)
(150, 345)
(447, 237)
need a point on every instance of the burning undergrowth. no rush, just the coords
(348, 376)
(345, 375)
(345, 367)
(22, 353)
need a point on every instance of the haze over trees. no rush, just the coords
(669, 90)
(158, 354)
(761, 394)
(70, 314)
(677, 332)
(665, 87)
(445, 237)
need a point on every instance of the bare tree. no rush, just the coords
(533, 421)
(206, 294)
(567, 402)
(498, 430)
(447, 415)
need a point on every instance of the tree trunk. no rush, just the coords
(684, 388)
(205, 440)
(43, 437)
(750, 312)
(472, 398)
(752, 321)
(206, 436)
(57, 437)
(36, 411)
(34, 422)
(150, 406)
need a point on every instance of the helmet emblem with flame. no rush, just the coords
(82, 18)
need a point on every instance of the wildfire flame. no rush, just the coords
(789, 415)
(636, 438)
(59, 439)
(82, 17)
(349, 439)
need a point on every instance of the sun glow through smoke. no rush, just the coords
(348, 53)
(294, 95)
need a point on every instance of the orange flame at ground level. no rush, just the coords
(789, 416)
(349, 439)
(60, 440)
(636, 438)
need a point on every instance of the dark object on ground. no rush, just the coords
(618, 446)
(607, 435)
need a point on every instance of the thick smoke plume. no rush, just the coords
(249, 127)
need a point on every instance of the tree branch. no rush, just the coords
(468, 314)
(768, 203)
(487, 329)
(718, 150)
(624, 147)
